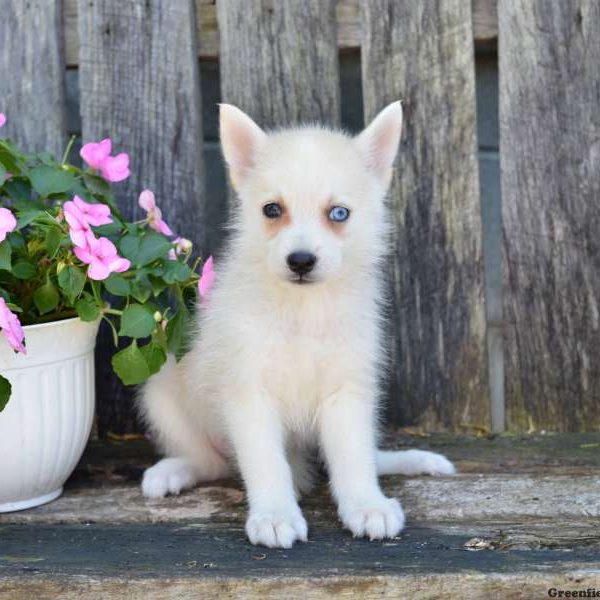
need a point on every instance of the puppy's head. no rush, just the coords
(311, 205)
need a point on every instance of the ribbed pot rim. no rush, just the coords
(35, 326)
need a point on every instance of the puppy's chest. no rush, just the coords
(307, 367)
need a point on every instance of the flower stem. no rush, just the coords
(67, 150)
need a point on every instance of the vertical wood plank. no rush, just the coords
(32, 87)
(422, 53)
(139, 80)
(550, 164)
(279, 60)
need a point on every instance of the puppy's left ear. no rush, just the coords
(241, 140)
(378, 142)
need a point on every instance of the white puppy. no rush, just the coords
(288, 352)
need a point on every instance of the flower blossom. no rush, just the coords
(154, 214)
(80, 215)
(2, 119)
(8, 223)
(11, 328)
(207, 278)
(97, 156)
(182, 245)
(101, 256)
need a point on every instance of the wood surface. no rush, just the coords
(139, 83)
(32, 85)
(550, 168)
(422, 54)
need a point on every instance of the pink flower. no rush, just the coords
(101, 256)
(182, 245)
(154, 214)
(97, 156)
(80, 215)
(207, 279)
(116, 168)
(2, 119)
(8, 223)
(11, 328)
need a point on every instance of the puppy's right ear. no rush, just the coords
(241, 140)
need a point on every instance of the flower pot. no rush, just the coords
(46, 423)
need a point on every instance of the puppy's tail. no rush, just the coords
(412, 462)
(160, 408)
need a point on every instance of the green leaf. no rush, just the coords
(176, 271)
(5, 255)
(10, 159)
(46, 298)
(71, 281)
(19, 191)
(141, 288)
(52, 241)
(158, 285)
(5, 390)
(176, 329)
(48, 180)
(130, 246)
(145, 249)
(117, 285)
(86, 308)
(137, 321)
(23, 269)
(97, 185)
(154, 355)
(25, 217)
(130, 365)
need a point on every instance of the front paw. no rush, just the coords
(377, 519)
(276, 528)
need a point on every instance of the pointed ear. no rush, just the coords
(241, 139)
(379, 141)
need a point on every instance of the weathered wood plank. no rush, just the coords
(32, 86)
(422, 53)
(139, 85)
(267, 73)
(485, 26)
(550, 165)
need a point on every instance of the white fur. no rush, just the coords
(279, 369)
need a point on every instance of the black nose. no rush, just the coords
(301, 262)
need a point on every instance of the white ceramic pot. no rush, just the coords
(46, 423)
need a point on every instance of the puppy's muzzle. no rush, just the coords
(301, 262)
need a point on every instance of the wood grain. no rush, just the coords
(267, 73)
(139, 84)
(422, 53)
(32, 86)
(550, 166)
(485, 26)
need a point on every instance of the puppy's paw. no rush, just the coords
(168, 476)
(276, 529)
(430, 463)
(382, 518)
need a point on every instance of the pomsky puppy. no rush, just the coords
(288, 352)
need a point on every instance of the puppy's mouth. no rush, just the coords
(301, 280)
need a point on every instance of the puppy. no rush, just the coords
(288, 352)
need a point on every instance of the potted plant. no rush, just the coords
(69, 259)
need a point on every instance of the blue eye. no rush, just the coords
(338, 214)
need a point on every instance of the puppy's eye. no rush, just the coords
(338, 214)
(273, 210)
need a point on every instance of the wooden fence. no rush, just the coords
(531, 361)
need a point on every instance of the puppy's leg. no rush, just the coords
(412, 462)
(256, 432)
(347, 432)
(191, 456)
